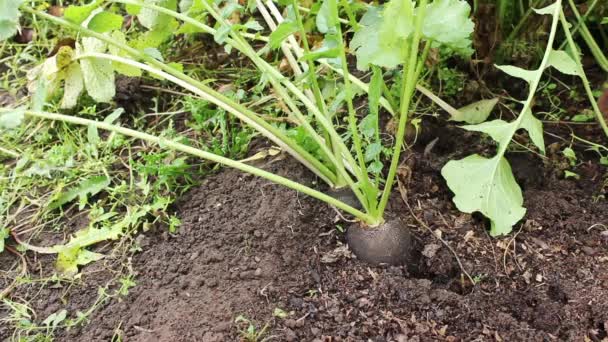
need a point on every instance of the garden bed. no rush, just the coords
(250, 248)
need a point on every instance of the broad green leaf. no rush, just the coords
(327, 18)
(499, 130)
(121, 68)
(78, 14)
(88, 187)
(476, 112)
(154, 20)
(9, 18)
(371, 47)
(535, 129)
(562, 61)
(98, 74)
(284, 30)
(330, 48)
(486, 186)
(604, 21)
(398, 20)
(372, 151)
(105, 21)
(447, 23)
(526, 75)
(74, 84)
(12, 119)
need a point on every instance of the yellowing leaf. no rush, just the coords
(74, 84)
(98, 74)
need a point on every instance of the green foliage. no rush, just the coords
(384, 31)
(9, 18)
(487, 185)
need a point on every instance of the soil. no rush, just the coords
(249, 248)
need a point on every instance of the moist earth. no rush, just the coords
(249, 248)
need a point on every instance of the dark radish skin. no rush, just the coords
(345, 195)
(389, 243)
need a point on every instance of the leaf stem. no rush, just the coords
(205, 155)
(408, 91)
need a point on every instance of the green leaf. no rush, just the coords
(154, 20)
(98, 74)
(372, 151)
(330, 48)
(476, 112)
(604, 21)
(88, 187)
(499, 130)
(327, 18)
(9, 18)
(105, 21)
(535, 129)
(447, 23)
(4, 234)
(284, 30)
(55, 318)
(487, 186)
(371, 47)
(121, 68)
(526, 75)
(12, 119)
(78, 14)
(398, 20)
(74, 84)
(562, 61)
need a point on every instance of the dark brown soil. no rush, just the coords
(248, 247)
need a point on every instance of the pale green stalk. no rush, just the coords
(410, 86)
(368, 188)
(312, 77)
(581, 72)
(204, 155)
(218, 99)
